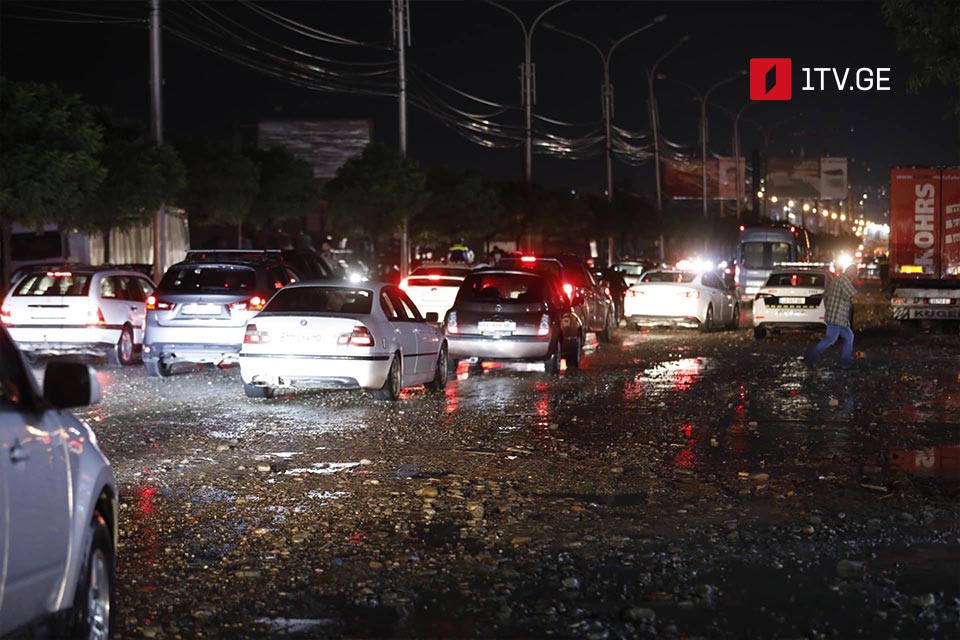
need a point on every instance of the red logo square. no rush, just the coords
(771, 78)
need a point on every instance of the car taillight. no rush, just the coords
(253, 336)
(544, 328)
(688, 294)
(5, 315)
(94, 315)
(528, 258)
(736, 275)
(568, 289)
(156, 304)
(452, 322)
(253, 304)
(405, 283)
(359, 337)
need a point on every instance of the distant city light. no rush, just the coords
(843, 218)
(806, 206)
(790, 203)
(774, 199)
(760, 193)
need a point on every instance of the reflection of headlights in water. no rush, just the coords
(355, 277)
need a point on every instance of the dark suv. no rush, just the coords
(201, 307)
(591, 304)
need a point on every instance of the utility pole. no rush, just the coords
(156, 130)
(655, 121)
(703, 134)
(401, 38)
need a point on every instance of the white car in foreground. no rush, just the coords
(434, 288)
(324, 335)
(58, 505)
(681, 298)
(790, 299)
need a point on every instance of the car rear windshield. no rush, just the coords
(549, 267)
(56, 284)
(763, 255)
(669, 276)
(797, 280)
(321, 300)
(503, 287)
(197, 278)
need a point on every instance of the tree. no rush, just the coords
(372, 194)
(49, 143)
(221, 184)
(287, 187)
(462, 204)
(141, 175)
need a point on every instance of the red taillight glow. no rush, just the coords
(156, 304)
(433, 276)
(405, 283)
(5, 316)
(359, 337)
(528, 258)
(736, 275)
(59, 274)
(568, 289)
(95, 316)
(544, 328)
(253, 304)
(253, 336)
(688, 294)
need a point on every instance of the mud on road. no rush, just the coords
(680, 485)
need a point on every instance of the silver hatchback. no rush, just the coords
(58, 504)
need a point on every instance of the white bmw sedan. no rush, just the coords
(682, 298)
(342, 335)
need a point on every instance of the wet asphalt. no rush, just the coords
(679, 485)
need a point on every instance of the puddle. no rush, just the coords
(323, 468)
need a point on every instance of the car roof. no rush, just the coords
(513, 272)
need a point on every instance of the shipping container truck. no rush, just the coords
(925, 244)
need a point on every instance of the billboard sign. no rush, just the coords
(684, 180)
(950, 206)
(915, 199)
(325, 144)
(794, 177)
(833, 178)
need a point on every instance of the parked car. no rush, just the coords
(515, 315)
(342, 336)
(791, 299)
(682, 298)
(633, 269)
(96, 311)
(202, 305)
(590, 303)
(58, 504)
(435, 287)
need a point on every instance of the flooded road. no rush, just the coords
(679, 485)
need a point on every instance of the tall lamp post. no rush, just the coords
(607, 89)
(655, 120)
(527, 78)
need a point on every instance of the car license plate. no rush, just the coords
(49, 313)
(940, 300)
(301, 338)
(197, 309)
(499, 327)
(792, 300)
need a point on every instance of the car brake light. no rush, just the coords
(5, 315)
(568, 289)
(544, 328)
(528, 258)
(59, 274)
(405, 283)
(156, 304)
(359, 337)
(253, 304)
(253, 336)
(688, 294)
(736, 275)
(95, 315)
(433, 276)
(452, 322)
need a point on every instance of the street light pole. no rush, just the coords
(736, 158)
(655, 124)
(156, 130)
(703, 133)
(401, 37)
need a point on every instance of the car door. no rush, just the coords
(403, 331)
(136, 305)
(720, 297)
(35, 484)
(427, 339)
(112, 301)
(146, 289)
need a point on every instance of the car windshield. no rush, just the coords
(763, 255)
(800, 279)
(54, 284)
(321, 300)
(669, 276)
(196, 278)
(502, 287)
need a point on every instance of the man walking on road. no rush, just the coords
(838, 304)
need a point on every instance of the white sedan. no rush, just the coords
(330, 335)
(790, 299)
(681, 298)
(434, 288)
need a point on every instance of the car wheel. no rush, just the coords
(122, 353)
(607, 334)
(256, 391)
(707, 325)
(93, 610)
(157, 368)
(391, 386)
(552, 364)
(575, 355)
(735, 320)
(759, 333)
(441, 374)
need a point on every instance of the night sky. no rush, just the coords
(477, 48)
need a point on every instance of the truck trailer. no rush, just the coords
(925, 244)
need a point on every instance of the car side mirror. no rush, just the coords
(68, 383)
(433, 317)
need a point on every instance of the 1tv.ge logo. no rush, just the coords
(772, 79)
